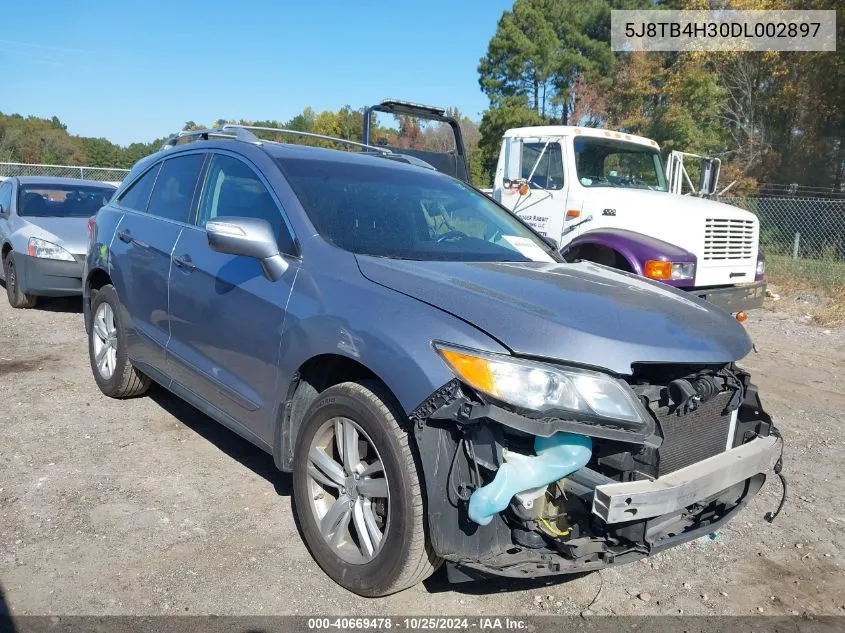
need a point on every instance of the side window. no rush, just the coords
(549, 171)
(174, 188)
(5, 199)
(233, 189)
(138, 195)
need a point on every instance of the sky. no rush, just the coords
(135, 71)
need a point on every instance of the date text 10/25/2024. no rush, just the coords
(483, 623)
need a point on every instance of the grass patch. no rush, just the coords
(825, 277)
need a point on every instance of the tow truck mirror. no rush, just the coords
(709, 176)
(550, 241)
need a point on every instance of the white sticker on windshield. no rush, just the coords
(528, 248)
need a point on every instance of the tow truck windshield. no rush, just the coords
(603, 162)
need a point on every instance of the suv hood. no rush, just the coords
(582, 313)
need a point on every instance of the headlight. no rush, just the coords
(657, 269)
(541, 387)
(761, 267)
(48, 250)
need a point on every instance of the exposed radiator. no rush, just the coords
(690, 437)
(728, 239)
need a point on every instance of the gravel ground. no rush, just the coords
(148, 507)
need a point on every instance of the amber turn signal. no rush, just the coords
(742, 317)
(655, 269)
(572, 214)
(523, 189)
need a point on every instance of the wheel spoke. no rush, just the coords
(326, 464)
(351, 456)
(101, 355)
(334, 524)
(100, 328)
(371, 523)
(373, 488)
(365, 543)
(321, 478)
(372, 469)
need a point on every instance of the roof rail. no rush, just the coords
(240, 134)
(278, 130)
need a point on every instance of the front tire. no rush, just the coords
(17, 298)
(115, 375)
(357, 492)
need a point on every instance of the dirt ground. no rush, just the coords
(148, 507)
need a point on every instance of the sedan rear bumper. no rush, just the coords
(48, 277)
(635, 500)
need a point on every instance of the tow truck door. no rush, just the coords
(537, 163)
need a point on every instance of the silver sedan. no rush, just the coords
(44, 234)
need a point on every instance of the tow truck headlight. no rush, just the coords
(761, 267)
(657, 269)
(48, 250)
(542, 387)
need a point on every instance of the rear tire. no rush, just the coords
(17, 298)
(402, 557)
(115, 375)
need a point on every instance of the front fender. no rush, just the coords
(636, 248)
(387, 332)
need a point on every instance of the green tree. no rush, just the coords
(543, 50)
(510, 112)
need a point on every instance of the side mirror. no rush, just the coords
(709, 176)
(3, 211)
(250, 237)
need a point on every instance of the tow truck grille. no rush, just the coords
(727, 239)
(690, 437)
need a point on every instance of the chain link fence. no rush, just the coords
(803, 238)
(105, 174)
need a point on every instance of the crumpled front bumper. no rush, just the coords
(633, 500)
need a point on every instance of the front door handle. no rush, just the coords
(184, 262)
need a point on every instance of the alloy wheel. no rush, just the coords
(104, 333)
(348, 490)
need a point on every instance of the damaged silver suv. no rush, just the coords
(441, 384)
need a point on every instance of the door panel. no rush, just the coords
(226, 325)
(227, 318)
(539, 163)
(140, 259)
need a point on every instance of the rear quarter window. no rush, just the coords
(174, 188)
(138, 194)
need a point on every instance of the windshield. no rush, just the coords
(400, 213)
(609, 163)
(62, 201)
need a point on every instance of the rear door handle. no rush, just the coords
(126, 236)
(184, 262)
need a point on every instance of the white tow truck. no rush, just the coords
(604, 196)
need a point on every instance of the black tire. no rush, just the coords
(17, 298)
(125, 381)
(405, 557)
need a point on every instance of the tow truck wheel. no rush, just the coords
(357, 493)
